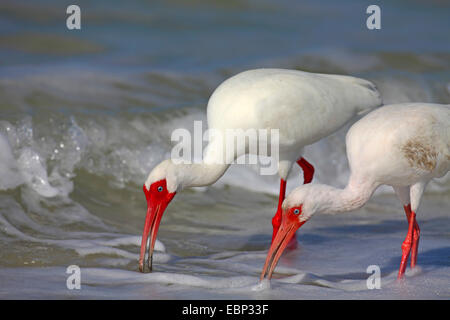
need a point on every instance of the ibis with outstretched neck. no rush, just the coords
(404, 146)
(304, 107)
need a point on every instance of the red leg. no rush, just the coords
(407, 244)
(416, 237)
(276, 220)
(415, 246)
(308, 173)
(308, 170)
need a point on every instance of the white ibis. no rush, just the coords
(305, 107)
(403, 146)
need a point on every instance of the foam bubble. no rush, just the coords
(264, 284)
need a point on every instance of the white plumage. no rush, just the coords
(304, 107)
(403, 145)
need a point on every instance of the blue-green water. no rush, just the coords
(85, 114)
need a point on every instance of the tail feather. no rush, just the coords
(363, 93)
(373, 94)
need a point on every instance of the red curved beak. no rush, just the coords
(155, 211)
(289, 224)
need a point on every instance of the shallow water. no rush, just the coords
(84, 116)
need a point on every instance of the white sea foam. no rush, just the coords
(264, 284)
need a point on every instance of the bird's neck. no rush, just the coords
(199, 174)
(352, 197)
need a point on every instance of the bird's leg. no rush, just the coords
(308, 170)
(276, 220)
(415, 245)
(416, 236)
(406, 246)
(308, 173)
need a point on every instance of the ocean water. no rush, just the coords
(85, 115)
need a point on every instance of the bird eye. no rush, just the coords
(296, 211)
(160, 189)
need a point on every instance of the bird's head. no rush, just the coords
(297, 208)
(159, 189)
